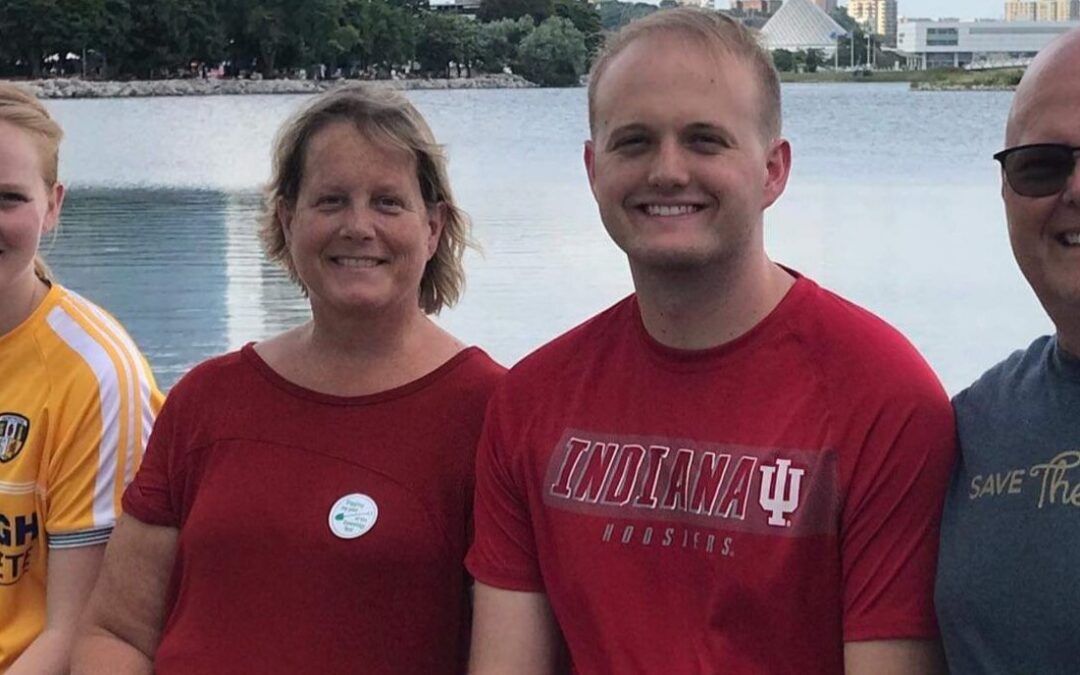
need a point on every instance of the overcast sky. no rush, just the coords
(964, 9)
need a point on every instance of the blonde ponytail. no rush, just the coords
(41, 270)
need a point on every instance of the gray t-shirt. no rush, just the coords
(1008, 583)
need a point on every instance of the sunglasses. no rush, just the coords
(1038, 170)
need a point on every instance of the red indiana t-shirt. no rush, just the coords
(743, 509)
(318, 534)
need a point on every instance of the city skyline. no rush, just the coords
(934, 9)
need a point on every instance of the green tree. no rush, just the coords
(812, 60)
(30, 30)
(554, 54)
(498, 41)
(439, 45)
(586, 18)
(493, 10)
(614, 14)
(386, 33)
(784, 60)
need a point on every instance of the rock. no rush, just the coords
(75, 88)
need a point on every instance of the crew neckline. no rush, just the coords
(1063, 363)
(43, 307)
(693, 359)
(250, 356)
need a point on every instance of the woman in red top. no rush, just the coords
(305, 502)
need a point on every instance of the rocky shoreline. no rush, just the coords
(74, 88)
(947, 86)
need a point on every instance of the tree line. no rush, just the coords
(547, 41)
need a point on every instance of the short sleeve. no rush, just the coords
(99, 440)
(150, 497)
(503, 553)
(892, 517)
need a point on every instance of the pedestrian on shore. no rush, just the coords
(732, 470)
(76, 403)
(1007, 589)
(305, 504)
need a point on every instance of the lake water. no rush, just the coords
(893, 202)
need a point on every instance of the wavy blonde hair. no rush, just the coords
(22, 110)
(385, 115)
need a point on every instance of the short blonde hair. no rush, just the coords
(710, 29)
(21, 109)
(383, 115)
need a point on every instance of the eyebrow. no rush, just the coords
(718, 129)
(694, 127)
(12, 187)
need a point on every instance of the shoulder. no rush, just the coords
(862, 352)
(595, 335)
(473, 368)
(81, 343)
(211, 377)
(1004, 380)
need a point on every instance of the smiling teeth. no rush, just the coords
(1072, 238)
(357, 262)
(681, 210)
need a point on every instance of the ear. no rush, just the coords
(52, 214)
(284, 213)
(590, 163)
(436, 222)
(777, 170)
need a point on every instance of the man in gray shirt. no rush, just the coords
(1008, 589)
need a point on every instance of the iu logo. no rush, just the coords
(780, 497)
(14, 429)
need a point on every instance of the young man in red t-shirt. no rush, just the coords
(732, 470)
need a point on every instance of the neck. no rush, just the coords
(18, 301)
(358, 354)
(357, 337)
(1069, 341)
(698, 309)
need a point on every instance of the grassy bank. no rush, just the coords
(920, 79)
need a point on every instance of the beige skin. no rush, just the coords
(676, 125)
(1046, 109)
(28, 210)
(359, 235)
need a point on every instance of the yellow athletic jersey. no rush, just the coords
(77, 400)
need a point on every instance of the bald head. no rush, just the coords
(1052, 76)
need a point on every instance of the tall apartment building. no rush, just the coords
(1042, 10)
(827, 5)
(878, 16)
(1020, 11)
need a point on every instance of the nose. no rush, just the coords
(357, 222)
(1071, 192)
(669, 169)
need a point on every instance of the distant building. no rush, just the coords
(767, 7)
(955, 44)
(876, 16)
(828, 5)
(1021, 11)
(1042, 10)
(467, 7)
(802, 24)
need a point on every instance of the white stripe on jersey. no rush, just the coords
(132, 363)
(95, 356)
(7, 488)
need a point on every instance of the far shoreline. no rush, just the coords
(74, 88)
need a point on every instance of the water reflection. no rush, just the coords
(180, 268)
